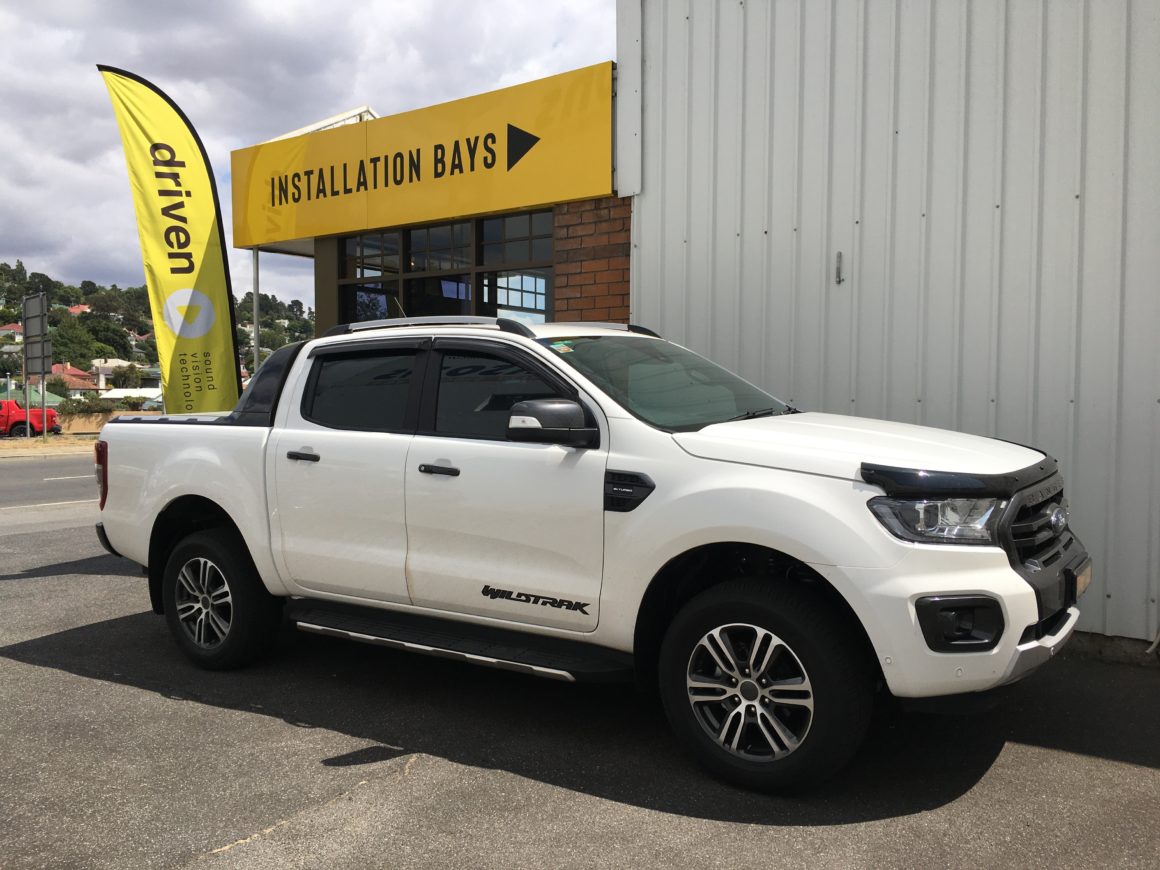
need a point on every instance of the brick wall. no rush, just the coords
(591, 259)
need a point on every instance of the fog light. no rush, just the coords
(960, 623)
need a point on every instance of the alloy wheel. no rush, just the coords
(749, 692)
(204, 603)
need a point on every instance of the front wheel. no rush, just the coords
(20, 430)
(767, 684)
(218, 611)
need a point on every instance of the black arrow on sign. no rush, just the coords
(520, 142)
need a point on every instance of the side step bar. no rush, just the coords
(554, 659)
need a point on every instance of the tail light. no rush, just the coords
(101, 470)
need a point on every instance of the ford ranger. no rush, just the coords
(592, 502)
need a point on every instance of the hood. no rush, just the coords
(836, 446)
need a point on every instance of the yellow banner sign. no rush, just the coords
(179, 223)
(540, 143)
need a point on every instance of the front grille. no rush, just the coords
(1044, 556)
(1037, 545)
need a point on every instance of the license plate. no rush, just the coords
(1083, 579)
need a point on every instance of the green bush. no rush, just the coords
(132, 403)
(86, 405)
(94, 405)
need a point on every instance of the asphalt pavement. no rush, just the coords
(51, 479)
(115, 752)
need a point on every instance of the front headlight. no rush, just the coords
(939, 521)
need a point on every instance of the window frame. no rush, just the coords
(345, 349)
(394, 284)
(505, 352)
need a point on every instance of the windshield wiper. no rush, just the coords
(760, 412)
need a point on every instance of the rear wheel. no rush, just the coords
(18, 431)
(767, 684)
(217, 608)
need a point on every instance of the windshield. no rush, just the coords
(663, 384)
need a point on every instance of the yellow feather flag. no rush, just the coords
(186, 270)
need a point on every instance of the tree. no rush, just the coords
(12, 284)
(147, 350)
(135, 304)
(57, 385)
(108, 333)
(133, 323)
(105, 303)
(273, 338)
(38, 282)
(126, 377)
(9, 365)
(88, 288)
(72, 343)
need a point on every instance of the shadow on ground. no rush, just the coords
(104, 565)
(609, 741)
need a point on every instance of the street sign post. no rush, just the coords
(37, 354)
(38, 357)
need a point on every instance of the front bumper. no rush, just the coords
(1031, 655)
(885, 602)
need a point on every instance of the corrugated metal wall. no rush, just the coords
(990, 173)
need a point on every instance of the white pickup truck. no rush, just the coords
(584, 501)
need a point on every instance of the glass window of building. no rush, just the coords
(495, 266)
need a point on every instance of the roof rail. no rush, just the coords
(395, 322)
(628, 327)
(503, 323)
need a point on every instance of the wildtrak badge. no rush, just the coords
(528, 598)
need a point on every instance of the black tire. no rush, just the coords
(18, 431)
(192, 600)
(823, 647)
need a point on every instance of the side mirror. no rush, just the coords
(551, 421)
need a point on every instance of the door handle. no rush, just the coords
(439, 469)
(303, 455)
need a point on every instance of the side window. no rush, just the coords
(477, 391)
(366, 390)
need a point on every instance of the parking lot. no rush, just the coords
(116, 752)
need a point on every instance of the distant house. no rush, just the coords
(69, 369)
(151, 393)
(13, 331)
(79, 309)
(150, 377)
(78, 381)
(103, 368)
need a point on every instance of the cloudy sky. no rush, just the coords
(243, 72)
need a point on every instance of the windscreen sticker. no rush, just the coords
(562, 346)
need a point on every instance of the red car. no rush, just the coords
(14, 420)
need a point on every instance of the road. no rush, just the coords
(116, 752)
(49, 479)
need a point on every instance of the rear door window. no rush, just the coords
(366, 391)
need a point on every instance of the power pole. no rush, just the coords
(257, 329)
